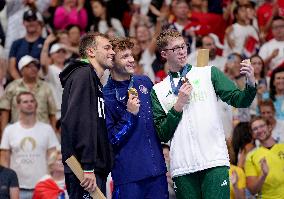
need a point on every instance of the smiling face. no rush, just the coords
(175, 52)
(103, 53)
(260, 130)
(124, 63)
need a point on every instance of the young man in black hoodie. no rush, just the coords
(83, 126)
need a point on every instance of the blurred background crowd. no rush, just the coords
(39, 37)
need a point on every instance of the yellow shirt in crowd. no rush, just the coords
(241, 179)
(273, 186)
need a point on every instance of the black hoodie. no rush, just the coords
(83, 130)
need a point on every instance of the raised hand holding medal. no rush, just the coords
(182, 90)
(133, 103)
(132, 91)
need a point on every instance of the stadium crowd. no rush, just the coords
(38, 38)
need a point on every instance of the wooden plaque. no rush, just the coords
(202, 57)
(75, 166)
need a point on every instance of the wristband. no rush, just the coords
(89, 171)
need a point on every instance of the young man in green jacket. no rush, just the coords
(186, 112)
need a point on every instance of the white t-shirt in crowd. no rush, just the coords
(268, 47)
(52, 78)
(116, 25)
(146, 62)
(239, 35)
(144, 5)
(29, 151)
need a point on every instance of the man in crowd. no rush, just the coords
(31, 44)
(26, 145)
(267, 111)
(9, 183)
(139, 169)
(272, 51)
(199, 157)
(264, 166)
(83, 129)
(207, 42)
(46, 108)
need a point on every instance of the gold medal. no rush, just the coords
(184, 80)
(132, 91)
(247, 61)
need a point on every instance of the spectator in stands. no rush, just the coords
(9, 184)
(272, 51)
(241, 38)
(74, 36)
(52, 185)
(264, 165)
(140, 29)
(267, 111)
(51, 73)
(261, 79)
(103, 21)
(265, 14)
(30, 44)
(242, 143)
(26, 145)
(46, 109)
(15, 12)
(207, 42)
(182, 23)
(71, 12)
(259, 69)
(276, 92)
(141, 6)
(237, 176)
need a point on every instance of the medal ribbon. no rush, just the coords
(129, 86)
(183, 74)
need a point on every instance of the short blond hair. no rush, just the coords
(165, 36)
(52, 159)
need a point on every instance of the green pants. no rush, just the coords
(211, 183)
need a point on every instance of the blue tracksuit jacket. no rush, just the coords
(137, 149)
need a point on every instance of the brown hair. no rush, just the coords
(231, 153)
(257, 118)
(18, 97)
(267, 103)
(121, 43)
(89, 41)
(165, 36)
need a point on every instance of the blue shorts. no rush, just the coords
(149, 188)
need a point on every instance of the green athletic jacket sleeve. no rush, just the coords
(165, 124)
(225, 88)
(228, 92)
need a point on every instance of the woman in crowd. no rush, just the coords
(71, 12)
(52, 186)
(242, 143)
(277, 91)
(103, 21)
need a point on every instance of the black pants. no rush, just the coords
(74, 189)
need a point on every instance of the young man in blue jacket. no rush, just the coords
(139, 169)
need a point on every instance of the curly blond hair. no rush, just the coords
(165, 36)
(121, 43)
